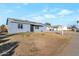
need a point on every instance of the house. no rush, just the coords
(49, 28)
(16, 26)
(57, 27)
(65, 28)
(60, 28)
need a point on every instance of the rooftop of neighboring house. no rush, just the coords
(48, 26)
(13, 20)
(57, 26)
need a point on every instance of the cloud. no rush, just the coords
(45, 10)
(49, 16)
(50, 10)
(33, 18)
(54, 9)
(39, 18)
(64, 12)
(43, 17)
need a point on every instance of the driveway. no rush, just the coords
(72, 49)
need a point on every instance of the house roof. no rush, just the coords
(13, 20)
(57, 26)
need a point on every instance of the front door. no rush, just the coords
(31, 28)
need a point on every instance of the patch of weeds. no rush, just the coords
(24, 34)
(43, 34)
(33, 49)
(28, 33)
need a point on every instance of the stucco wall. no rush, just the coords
(13, 28)
(41, 29)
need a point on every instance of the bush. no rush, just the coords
(3, 28)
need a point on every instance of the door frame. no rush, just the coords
(31, 28)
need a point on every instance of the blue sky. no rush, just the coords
(54, 13)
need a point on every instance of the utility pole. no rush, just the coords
(62, 33)
(77, 25)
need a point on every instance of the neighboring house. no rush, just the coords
(65, 28)
(16, 26)
(49, 28)
(59, 28)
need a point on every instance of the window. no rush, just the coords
(36, 27)
(20, 26)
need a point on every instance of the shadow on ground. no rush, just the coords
(4, 40)
(2, 36)
(6, 47)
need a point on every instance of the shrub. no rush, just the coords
(3, 28)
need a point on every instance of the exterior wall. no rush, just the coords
(49, 29)
(65, 28)
(13, 28)
(41, 29)
(60, 28)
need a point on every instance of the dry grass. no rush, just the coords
(45, 43)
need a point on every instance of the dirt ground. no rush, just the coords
(39, 44)
(72, 49)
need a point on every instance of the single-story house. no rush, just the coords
(65, 28)
(49, 28)
(60, 28)
(16, 26)
(57, 27)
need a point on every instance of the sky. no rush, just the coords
(54, 13)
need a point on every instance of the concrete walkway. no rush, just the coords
(72, 49)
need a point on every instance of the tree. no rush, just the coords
(77, 21)
(48, 24)
(3, 28)
(73, 27)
